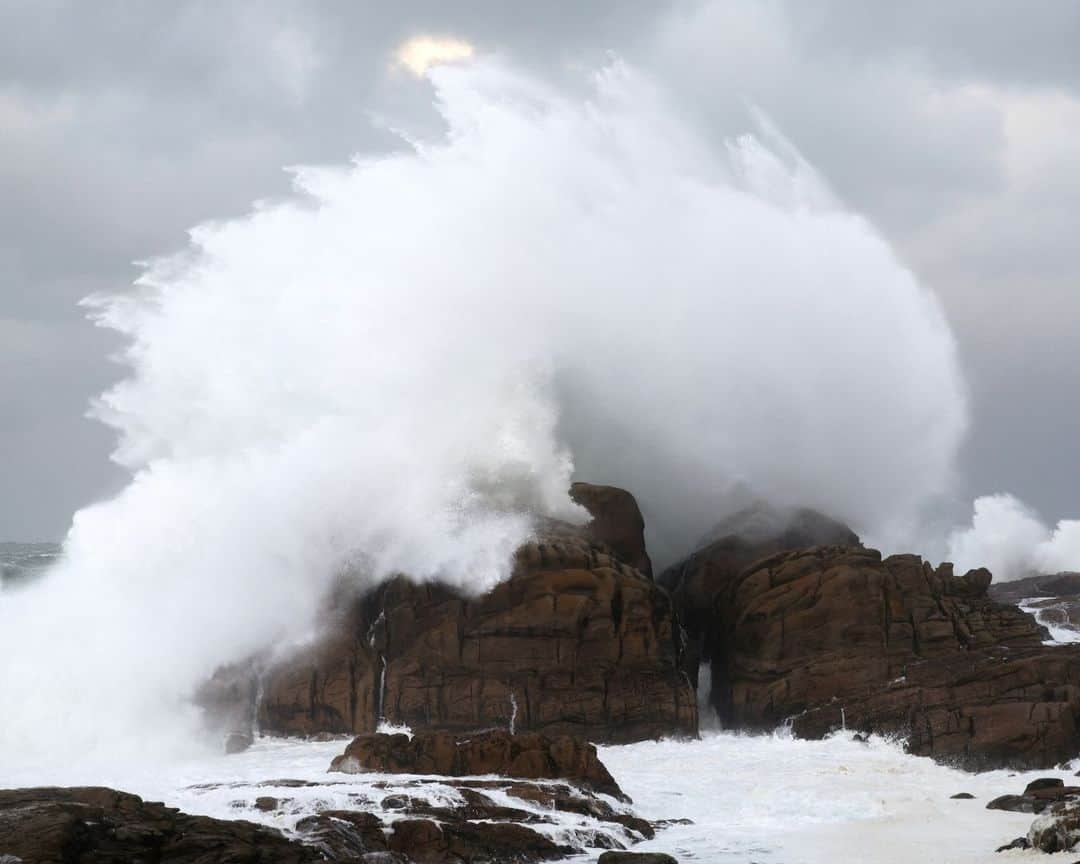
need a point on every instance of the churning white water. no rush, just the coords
(402, 366)
(768, 799)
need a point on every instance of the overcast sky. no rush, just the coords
(954, 126)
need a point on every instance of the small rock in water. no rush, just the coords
(266, 803)
(964, 796)
(238, 742)
(636, 858)
(1018, 843)
(395, 802)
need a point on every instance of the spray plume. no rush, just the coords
(1011, 540)
(401, 367)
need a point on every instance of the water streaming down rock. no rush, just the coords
(308, 395)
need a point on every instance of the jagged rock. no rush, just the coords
(559, 797)
(616, 523)
(577, 642)
(736, 542)
(343, 834)
(529, 756)
(835, 636)
(95, 824)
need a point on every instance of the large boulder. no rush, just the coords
(523, 756)
(828, 637)
(734, 543)
(576, 642)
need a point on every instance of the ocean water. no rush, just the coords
(766, 799)
(1060, 634)
(20, 563)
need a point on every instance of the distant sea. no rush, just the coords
(21, 562)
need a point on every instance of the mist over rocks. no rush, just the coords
(279, 427)
(738, 540)
(575, 642)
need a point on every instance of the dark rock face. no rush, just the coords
(526, 756)
(576, 642)
(616, 523)
(101, 826)
(735, 543)
(833, 636)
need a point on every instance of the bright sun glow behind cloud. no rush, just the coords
(422, 52)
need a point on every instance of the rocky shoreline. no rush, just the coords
(800, 625)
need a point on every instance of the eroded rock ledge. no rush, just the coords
(838, 636)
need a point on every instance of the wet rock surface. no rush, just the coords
(95, 825)
(90, 825)
(833, 637)
(577, 642)
(527, 755)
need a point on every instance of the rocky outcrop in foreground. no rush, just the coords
(577, 642)
(102, 826)
(421, 820)
(527, 756)
(550, 803)
(829, 637)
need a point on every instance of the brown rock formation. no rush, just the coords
(616, 523)
(829, 636)
(527, 756)
(735, 543)
(576, 642)
(102, 826)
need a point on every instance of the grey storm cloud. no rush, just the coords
(955, 127)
